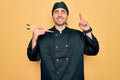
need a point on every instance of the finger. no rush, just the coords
(81, 18)
(38, 27)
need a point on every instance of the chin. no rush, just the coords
(60, 24)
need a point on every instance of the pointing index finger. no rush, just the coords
(81, 18)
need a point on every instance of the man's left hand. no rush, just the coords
(84, 25)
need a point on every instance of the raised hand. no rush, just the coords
(38, 31)
(84, 25)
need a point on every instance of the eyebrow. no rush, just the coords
(61, 11)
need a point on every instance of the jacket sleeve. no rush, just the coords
(33, 54)
(91, 45)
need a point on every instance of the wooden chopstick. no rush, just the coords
(30, 27)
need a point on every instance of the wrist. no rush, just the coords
(34, 37)
(87, 31)
(89, 34)
(34, 41)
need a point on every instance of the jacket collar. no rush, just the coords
(56, 31)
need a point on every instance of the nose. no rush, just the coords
(59, 14)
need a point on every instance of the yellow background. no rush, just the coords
(103, 16)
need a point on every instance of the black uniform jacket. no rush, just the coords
(61, 54)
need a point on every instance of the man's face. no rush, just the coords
(60, 16)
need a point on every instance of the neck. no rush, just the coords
(60, 28)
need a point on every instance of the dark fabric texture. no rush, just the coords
(60, 5)
(61, 54)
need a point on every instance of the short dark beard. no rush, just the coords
(60, 24)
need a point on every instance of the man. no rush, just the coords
(61, 49)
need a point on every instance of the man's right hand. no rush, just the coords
(37, 31)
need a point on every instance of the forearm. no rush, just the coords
(89, 35)
(91, 45)
(33, 52)
(34, 40)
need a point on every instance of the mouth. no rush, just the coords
(60, 19)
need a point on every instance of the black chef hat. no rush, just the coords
(60, 5)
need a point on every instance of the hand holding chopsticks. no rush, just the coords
(37, 31)
(31, 27)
